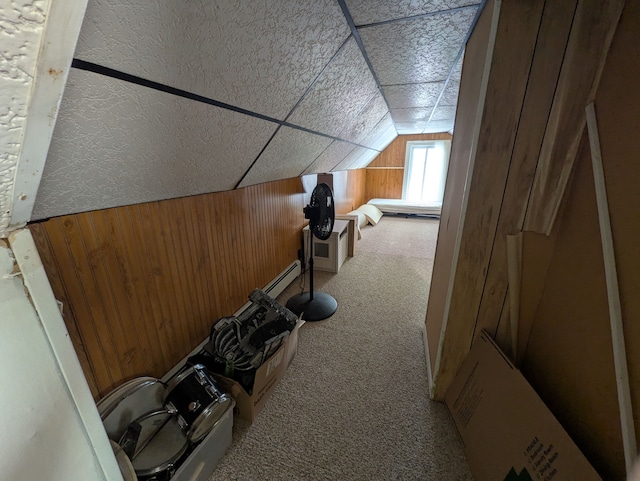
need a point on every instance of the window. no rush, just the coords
(425, 171)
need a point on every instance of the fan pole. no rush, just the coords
(311, 267)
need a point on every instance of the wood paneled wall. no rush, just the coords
(461, 148)
(385, 175)
(142, 284)
(348, 188)
(569, 356)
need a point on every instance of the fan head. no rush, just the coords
(320, 212)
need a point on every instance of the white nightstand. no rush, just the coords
(328, 255)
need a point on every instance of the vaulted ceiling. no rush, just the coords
(168, 99)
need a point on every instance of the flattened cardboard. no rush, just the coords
(267, 378)
(508, 432)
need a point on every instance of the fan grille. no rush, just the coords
(321, 212)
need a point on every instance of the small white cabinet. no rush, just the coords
(328, 255)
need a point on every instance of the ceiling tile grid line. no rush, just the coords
(315, 81)
(246, 172)
(460, 54)
(112, 73)
(356, 36)
(375, 11)
(417, 17)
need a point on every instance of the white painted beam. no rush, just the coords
(54, 55)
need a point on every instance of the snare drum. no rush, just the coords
(161, 446)
(128, 402)
(198, 401)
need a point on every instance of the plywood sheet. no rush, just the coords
(456, 176)
(553, 35)
(510, 69)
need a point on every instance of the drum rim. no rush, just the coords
(174, 459)
(109, 402)
(179, 378)
(206, 412)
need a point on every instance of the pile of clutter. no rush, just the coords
(239, 345)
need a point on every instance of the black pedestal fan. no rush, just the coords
(316, 306)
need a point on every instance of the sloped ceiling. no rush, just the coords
(168, 99)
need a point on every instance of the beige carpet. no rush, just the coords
(353, 404)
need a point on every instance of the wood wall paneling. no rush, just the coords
(511, 64)
(468, 104)
(550, 45)
(385, 175)
(142, 285)
(394, 154)
(384, 183)
(593, 29)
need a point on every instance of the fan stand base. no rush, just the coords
(321, 307)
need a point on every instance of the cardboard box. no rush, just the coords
(508, 432)
(267, 378)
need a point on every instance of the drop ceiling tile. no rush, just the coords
(289, 154)
(373, 112)
(260, 56)
(364, 160)
(438, 126)
(117, 143)
(331, 157)
(419, 50)
(371, 11)
(408, 115)
(341, 92)
(406, 128)
(444, 112)
(379, 133)
(346, 163)
(413, 95)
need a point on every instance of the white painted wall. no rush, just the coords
(51, 429)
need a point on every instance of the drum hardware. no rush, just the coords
(162, 448)
(137, 449)
(197, 401)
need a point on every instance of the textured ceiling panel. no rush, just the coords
(331, 157)
(413, 95)
(444, 112)
(416, 51)
(341, 92)
(373, 112)
(288, 155)
(117, 143)
(364, 12)
(377, 138)
(410, 115)
(407, 128)
(260, 56)
(346, 163)
(365, 159)
(437, 126)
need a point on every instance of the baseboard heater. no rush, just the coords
(273, 290)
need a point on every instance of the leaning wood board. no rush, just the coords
(512, 58)
(594, 26)
(468, 104)
(552, 39)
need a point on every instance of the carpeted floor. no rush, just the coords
(353, 404)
